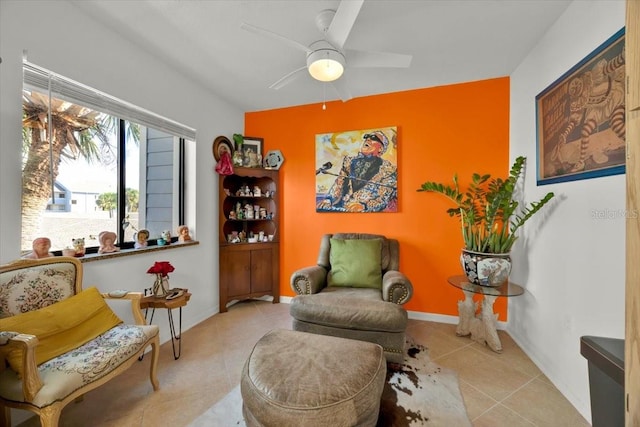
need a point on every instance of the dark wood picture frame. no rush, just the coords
(252, 152)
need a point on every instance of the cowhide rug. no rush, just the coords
(421, 393)
(417, 393)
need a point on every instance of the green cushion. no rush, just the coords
(62, 326)
(355, 263)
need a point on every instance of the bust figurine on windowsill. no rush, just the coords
(166, 236)
(107, 241)
(141, 238)
(183, 234)
(41, 247)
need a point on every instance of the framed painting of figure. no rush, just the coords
(581, 118)
(357, 171)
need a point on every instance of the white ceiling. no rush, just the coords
(451, 41)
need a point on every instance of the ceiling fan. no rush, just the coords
(326, 57)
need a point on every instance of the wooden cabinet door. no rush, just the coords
(235, 272)
(261, 270)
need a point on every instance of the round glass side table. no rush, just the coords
(482, 328)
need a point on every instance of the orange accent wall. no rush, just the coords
(461, 128)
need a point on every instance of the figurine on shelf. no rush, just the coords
(40, 247)
(141, 238)
(107, 241)
(224, 165)
(232, 215)
(256, 191)
(245, 157)
(222, 152)
(166, 236)
(183, 234)
(68, 251)
(78, 246)
(237, 158)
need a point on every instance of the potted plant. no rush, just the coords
(490, 218)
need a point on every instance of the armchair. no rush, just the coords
(355, 291)
(58, 342)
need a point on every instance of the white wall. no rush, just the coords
(573, 266)
(58, 36)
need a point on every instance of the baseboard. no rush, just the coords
(444, 318)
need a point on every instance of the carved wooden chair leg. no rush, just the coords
(155, 353)
(50, 416)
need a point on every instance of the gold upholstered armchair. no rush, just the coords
(58, 341)
(355, 291)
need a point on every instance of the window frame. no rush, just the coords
(45, 81)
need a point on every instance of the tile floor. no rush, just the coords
(500, 390)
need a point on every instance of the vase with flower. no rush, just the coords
(161, 285)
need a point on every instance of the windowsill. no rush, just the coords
(130, 252)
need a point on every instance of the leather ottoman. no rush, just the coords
(298, 379)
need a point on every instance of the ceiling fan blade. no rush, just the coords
(343, 21)
(342, 87)
(276, 36)
(363, 59)
(287, 79)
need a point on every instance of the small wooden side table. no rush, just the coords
(483, 329)
(153, 302)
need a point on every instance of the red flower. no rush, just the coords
(161, 267)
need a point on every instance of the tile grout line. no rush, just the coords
(501, 402)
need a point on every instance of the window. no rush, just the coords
(111, 166)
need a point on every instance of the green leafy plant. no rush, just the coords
(238, 139)
(488, 213)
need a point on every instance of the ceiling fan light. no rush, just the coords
(325, 65)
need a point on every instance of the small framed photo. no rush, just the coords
(252, 152)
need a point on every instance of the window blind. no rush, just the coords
(38, 78)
